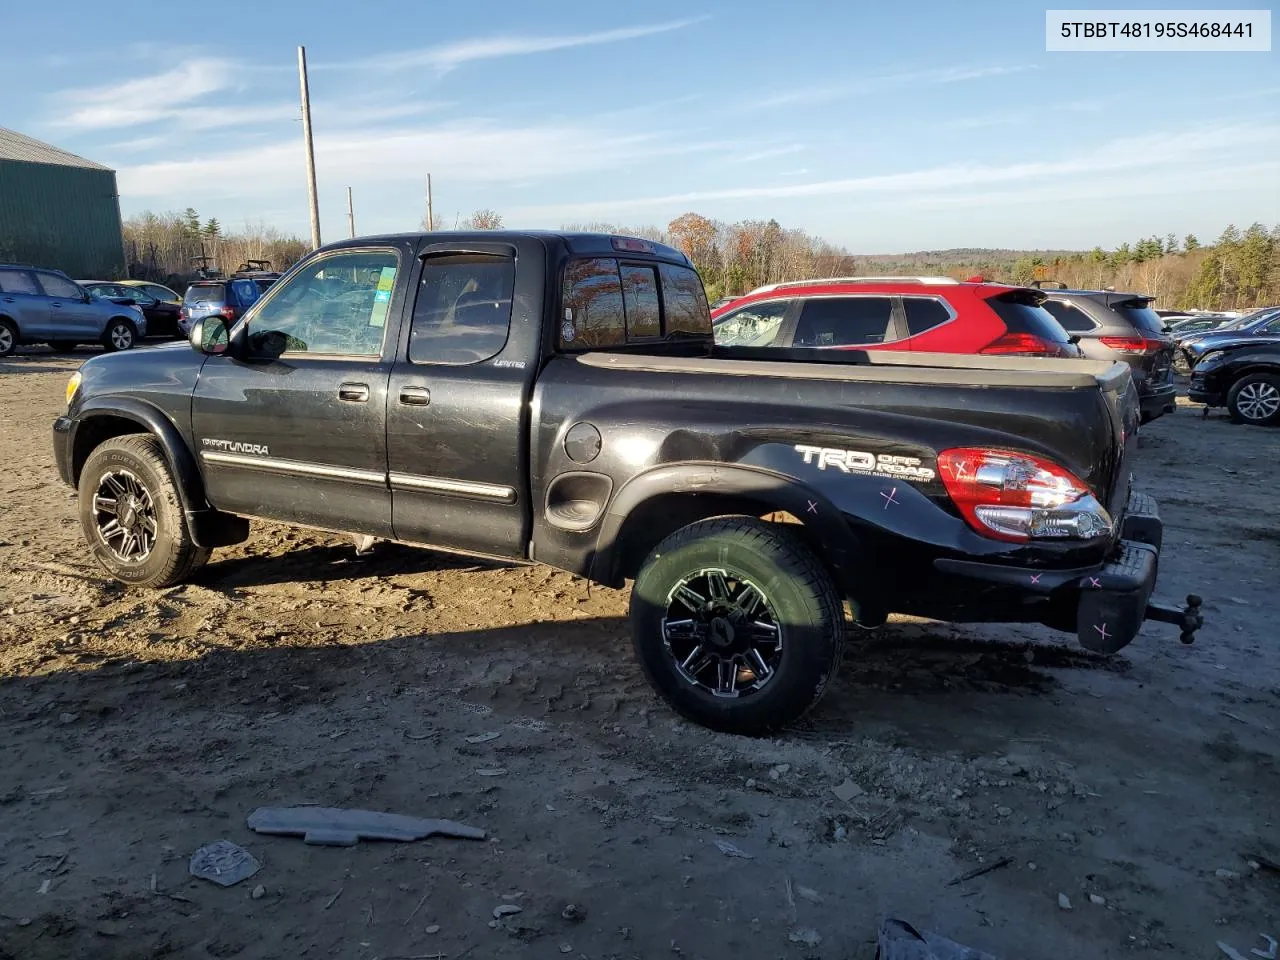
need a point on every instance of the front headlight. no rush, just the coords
(1209, 359)
(72, 386)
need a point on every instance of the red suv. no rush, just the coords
(934, 314)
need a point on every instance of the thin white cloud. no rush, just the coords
(471, 152)
(448, 56)
(893, 81)
(767, 154)
(146, 99)
(1128, 155)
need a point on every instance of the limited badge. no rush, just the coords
(567, 331)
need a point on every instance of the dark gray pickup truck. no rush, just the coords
(559, 398)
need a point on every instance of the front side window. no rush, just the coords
(1071, 318)
(336, 305)
(753, 326)
(56, 286)
(844, 321)
(593, 314)
(18, 281)
(462, 313)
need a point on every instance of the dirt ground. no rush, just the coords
(135, 727)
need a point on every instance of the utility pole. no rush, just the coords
(311, 154)
(431, 219)
(351, 216)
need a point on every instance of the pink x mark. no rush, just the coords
(1102, 631)
(890, 497)
(1035, 577)
(813, 506)
(1095, 582)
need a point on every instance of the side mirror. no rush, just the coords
(209, 336)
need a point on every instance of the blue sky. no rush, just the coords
(882, 127)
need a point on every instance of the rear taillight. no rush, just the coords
(1020, 497)
(1139, 345)
(228, 312)
(1023, 344)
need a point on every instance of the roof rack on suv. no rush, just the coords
(1050, 284)
(822, 281)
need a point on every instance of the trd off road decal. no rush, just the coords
(234, 446)
(865, 464)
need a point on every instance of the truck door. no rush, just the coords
(457, 407)
(293, 426)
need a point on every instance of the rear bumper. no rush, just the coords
(1104, 605)
(1159, 399)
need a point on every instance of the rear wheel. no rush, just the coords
(63, 346)
(8, 337)
(132, 517)
(737, 624)
(1255, 399)
(119, 335)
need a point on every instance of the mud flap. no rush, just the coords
(1113, 602)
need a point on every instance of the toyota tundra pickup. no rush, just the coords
(559, 398)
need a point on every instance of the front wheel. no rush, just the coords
(132, 517)
(1255, 399)
(120, 335)
(8, 338)
(737, 624)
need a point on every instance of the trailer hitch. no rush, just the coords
(1188, 618)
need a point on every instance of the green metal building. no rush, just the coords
(58, 210)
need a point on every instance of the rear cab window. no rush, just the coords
(613, 301)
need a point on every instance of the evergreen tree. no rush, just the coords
(212, 228)
(1191, 243)
(191, 222)
(1170, 244)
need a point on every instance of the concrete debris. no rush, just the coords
(492, 772)
(1064, 902)
(484, 737)
(224, 863)
(66, 718)
(806, 936)
(335, 826)
(574, 913)
(433, 929)
(1097, 901)
(1226, 875)
(848, 791)
(730, 850)
(900, 941)
(779, 771)
(807, 893)
(506, 910)
(259, 892)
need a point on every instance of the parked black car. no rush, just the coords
(1263, 323)
(162, 316)
(1122, 326)
(1244, 377)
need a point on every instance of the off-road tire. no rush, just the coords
(797, 585)
(174, 557)
(113, 337)
(63, 346)
(1249, 397)
(8, 337)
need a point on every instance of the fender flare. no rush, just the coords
(209, 527)
(821, 518)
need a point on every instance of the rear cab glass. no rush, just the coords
(615, 301)
(1022, 313)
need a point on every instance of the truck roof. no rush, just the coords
(577, 243)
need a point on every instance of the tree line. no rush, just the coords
(1238, 270)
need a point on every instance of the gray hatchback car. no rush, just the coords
(47, 306)
(1121, 326)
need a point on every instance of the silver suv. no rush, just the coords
(47, 306)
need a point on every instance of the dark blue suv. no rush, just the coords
(227, 298)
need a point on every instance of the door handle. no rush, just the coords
(56, 305)
(353, 392)
(415, 396)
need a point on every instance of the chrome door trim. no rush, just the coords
(491, 492)
(297, 468)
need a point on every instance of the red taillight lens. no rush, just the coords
(1022, 344)
(1140, 345)
(1019, 497)
(228, 312)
